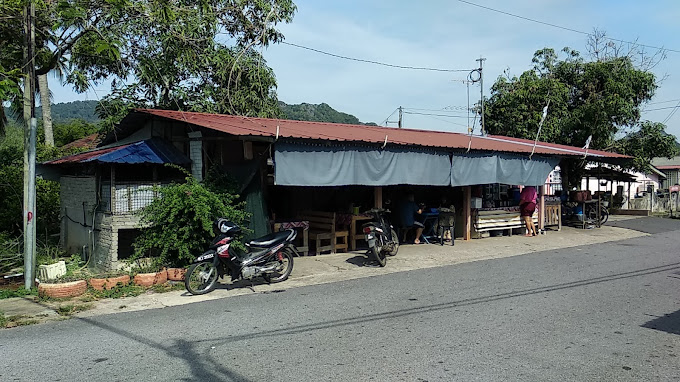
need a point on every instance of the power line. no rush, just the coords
(436, 115)
(662, 108)
(658, 102)
(384, 122)
(562, 27)
(444, 110)
(670, 115)
(449, 122)
(376, 62)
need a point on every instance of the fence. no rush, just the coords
(655, 203)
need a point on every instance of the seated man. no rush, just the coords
(410, 215)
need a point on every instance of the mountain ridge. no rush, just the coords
(84, 110)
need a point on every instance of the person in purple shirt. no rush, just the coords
(527, 206)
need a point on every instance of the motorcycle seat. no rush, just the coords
(270, 240)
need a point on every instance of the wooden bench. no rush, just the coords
(499, 220)
(323, 232)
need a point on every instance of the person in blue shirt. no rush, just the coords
(410, 215)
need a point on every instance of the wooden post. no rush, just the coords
(377, 197)
(247, 150)
(467, 204)
(541, 208)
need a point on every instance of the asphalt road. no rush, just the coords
(607, 312)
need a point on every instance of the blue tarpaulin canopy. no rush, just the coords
(154, 150)
(150, 151)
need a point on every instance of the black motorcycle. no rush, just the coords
(270, 256)
(381, 237)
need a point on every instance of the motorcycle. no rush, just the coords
(270, 257)
(381, 237)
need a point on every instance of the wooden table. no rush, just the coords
(352, 220)
(297, 225)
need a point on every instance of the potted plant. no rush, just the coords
(71, 284)
(109, 280)
(148, 272)
(176, 274)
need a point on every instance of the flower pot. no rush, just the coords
(176, 274)
(108, 283)
(149, 279)
(62, 290)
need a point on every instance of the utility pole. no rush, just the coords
(29, 149)
(400, 113)
(481, 89)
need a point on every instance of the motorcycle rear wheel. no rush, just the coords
(287, 263)
(395, 244)
(201, 278)
(379, 255)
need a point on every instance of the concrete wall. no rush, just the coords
(105, 254)
(78, 200)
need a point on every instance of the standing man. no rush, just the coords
(527, 206)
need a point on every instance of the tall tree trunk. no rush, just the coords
(46, 109)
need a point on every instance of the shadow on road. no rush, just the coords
(669, 323)
(203, 368)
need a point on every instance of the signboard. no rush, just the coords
(675, 188)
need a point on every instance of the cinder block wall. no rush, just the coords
(78, 199)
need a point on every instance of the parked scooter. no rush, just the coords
(270, 256)
(381, 237)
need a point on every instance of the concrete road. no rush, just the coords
(603, 312)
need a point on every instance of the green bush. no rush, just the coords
(180, 222)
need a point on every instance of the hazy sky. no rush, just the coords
(447, 34)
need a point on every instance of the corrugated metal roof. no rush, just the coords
(669, 167)
(263, 127)
(89, 142)
(154, 151)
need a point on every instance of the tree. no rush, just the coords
(157, 43)
(647, 142)
(586, 98)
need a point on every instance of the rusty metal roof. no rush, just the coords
(281, 128)
(89, 142)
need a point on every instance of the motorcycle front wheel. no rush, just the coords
(201, 278)
(284, 269)
(394, 244)
(379, 255)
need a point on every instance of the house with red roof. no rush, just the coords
(288, 166)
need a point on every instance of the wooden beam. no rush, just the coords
(541, 208)
(247, 150)
(377, 197)
(467, 221)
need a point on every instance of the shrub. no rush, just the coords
(180, 222)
